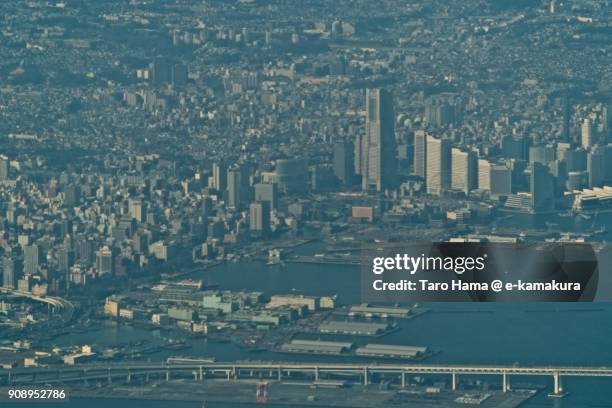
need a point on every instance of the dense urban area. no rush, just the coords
(145, 144)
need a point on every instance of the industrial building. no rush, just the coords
(354, 328)
(316, 347)
(383, 312)
(391, 351)
(311, 302)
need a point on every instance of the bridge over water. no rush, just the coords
(281, 371)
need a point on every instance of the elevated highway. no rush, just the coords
(280, 371)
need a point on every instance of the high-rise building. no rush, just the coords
(420, 153)
(542, 154)
(259, 217)
(4, 168)
(542, 188)
(484, 175)
(588, 135)
(72, 195)
(496, 179)
(607, 164)
(464, 170)
(558, 169)
(220, 176)
(85, 250)
(31, 259)
(439, 113)
(358, 154)
(378, 155)
(10, 274)
(438, 177)
(501, 180)
(267, 192)
(234, 184)
(606, 118)
(344, 162)
(104, 260)
(291, 175)
(596, 167)
(64, 259)
(160, 71)
(576, 160)
(563, 150)
(136, 209)
(515, 148)
(246, 186)
(567, 116)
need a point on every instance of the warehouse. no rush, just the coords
(389, 350)
(354, 328)
(383, 312)
(316, 347)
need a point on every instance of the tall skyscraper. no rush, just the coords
(358, 154)
(496, 179)
(104, 260)
(576, 160)
(515, 148)
(596, 167)
(464, 170)
(501, 180)
(259, 217)
(420, 153)
(85, 250)
(267, 192)
(588, 135)
(234, 184)
(607, 123)
(220, 176)
(247, 192)
(344, 162)
(136, 209)
(484, 175)
(378, 160)
(291, 175)
(567, 116)
(31, 259)
(542, 188)
(64, 259)
(438, 177)
(10, 274)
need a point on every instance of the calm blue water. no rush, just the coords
(528, 334)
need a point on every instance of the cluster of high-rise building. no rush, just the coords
(525, 176)
(166, 135)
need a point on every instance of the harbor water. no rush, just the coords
(573, 334)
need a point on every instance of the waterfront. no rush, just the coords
(463, 333)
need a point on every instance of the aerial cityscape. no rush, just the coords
(189, 188)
